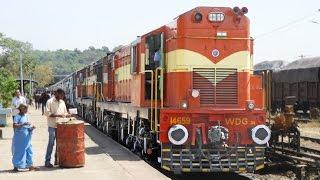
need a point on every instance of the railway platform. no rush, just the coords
(105, 159)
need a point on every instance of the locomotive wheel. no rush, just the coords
(274, 136)
(79, 109)
(105, 124)
(99, 121)
(104, 128)
(295, 141)
(88, 117)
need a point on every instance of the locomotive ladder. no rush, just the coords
(161, 84)
(151, 99)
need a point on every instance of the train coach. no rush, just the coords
(183, 94)
(299, 81)
(68, 85)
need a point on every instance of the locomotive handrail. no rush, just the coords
(207, 37)
(156, 95)
(151, 99)
(101, 94)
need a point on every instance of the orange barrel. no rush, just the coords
(70, 143)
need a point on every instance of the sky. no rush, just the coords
(282, 29)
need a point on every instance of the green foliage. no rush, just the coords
(43, 75)
(65, 62)
(43, 65)
(8, 85)
(10, 51)
(117, 47)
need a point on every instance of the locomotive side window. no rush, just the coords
(134, 60)
(153, 57)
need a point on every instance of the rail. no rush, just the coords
(316, 140)
(300, 158)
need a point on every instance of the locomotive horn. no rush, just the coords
(236, 10)
(244, 10)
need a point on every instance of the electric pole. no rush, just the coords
(30, 85)
(21, 75)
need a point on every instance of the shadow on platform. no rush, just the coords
(41, 168)
(108, 146)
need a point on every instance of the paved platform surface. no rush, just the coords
(105, 159)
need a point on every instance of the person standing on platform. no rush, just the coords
(21, 141)
(16, 101)
(55, 109)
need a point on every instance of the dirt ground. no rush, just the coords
(310, 129)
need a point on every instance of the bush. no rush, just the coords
(8, 85)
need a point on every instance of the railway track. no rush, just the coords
(316, 140)
(303, 120)
(305, 160)
(287, 145)
(305, 155)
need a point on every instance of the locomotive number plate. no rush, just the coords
(239, 121)
(180, 120)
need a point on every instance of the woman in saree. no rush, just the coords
(21, 142)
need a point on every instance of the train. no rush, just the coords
(183, 95)
(297, 84)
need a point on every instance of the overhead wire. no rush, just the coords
(287, 25)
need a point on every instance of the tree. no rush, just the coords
(117, 47)
(64, 62)
(10, 51)
(8, 85)
(105, 49)
(91, 48)
(43, 74)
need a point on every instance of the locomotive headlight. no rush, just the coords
(184, 104)
(216, 16)
(198, 17)
(250, 105)
(261, 134)
(195, 93)
(178, 134)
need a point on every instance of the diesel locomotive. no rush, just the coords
(183, 94)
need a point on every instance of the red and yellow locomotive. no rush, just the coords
(183, 94)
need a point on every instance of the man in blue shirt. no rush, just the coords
(157, 58)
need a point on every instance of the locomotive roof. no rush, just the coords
(306, 69)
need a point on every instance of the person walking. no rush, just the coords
(16, 101)
(21, 141)
(43, 100)
(55, 109)
(36, 98)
